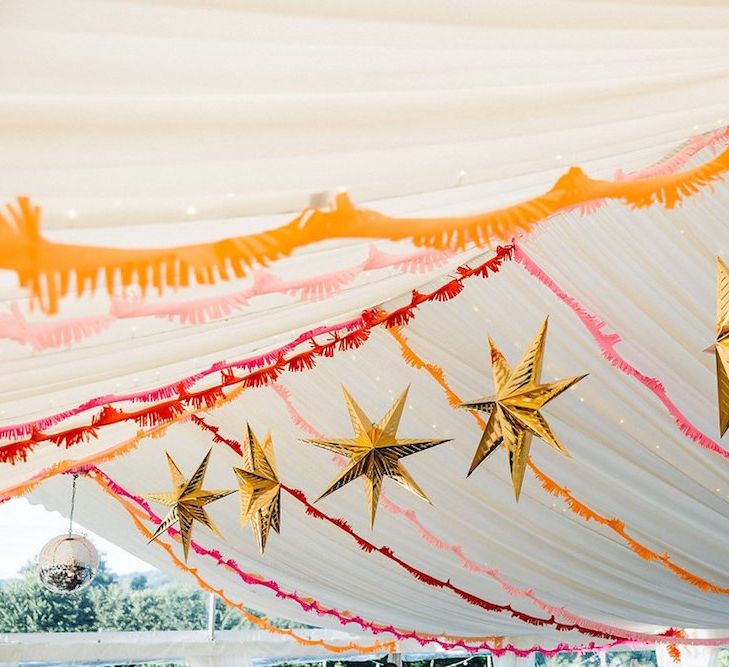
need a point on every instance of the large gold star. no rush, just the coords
(260, 489)
(514, 410)
(375, 452)
(187, 501)
(721, 349)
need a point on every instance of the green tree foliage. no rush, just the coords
(612, 659)
(26, 606)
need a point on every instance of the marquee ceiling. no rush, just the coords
(142, 125)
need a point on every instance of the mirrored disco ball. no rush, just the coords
(68, 563)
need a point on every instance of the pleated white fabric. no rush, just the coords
(650, 277)
(125, 119)
(131, 112)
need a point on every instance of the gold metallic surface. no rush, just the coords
(260, 489)
(375, 452)
(187, 500)
(514, 410)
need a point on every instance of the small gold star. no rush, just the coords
(187, 501)
(375, 451)
(260, 489)
(514, 410)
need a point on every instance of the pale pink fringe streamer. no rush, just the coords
(666, 166)
(470, 565)
(607, 342)
(45, 335)
(422, 261)
(309, 605)
(52, 334)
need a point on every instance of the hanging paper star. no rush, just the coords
(514, 410)
(187, 501)
(260, 489)
(375, 452)
(721, 349)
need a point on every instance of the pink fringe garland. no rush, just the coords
(607, 343)
(418, 574)
(344, 336)
(53, 334)
(669, 165)
(472, 566)
(173, 389)
(46, 335)
(314, 606)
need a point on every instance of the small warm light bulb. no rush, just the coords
(191, 210)
(72, 213)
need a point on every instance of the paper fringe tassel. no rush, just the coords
(576, 506)
(668, 165)
(344, 336)
(457, 550)
(47, 268)
(368, 547)
(109, 454)
(47, 335)
(261, 622)
(607, 344)
(310, 605)
(65, 333)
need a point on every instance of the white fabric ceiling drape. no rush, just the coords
(132, 111)
(155, 123)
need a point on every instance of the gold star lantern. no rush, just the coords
(187, 500)
(375, 452)
(514, 410)
(260, 489)
(721, 349)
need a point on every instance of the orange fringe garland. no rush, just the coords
(551, 487)
(137, 517)
(46, 268)
(112, 452)
(261, 622)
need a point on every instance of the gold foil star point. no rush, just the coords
(375, 452)
(187, 500)
(514, 415)
(721, 348)
(260, 488)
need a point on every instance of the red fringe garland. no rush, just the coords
(181, 399)
(424, 577)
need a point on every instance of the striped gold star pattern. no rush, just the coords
(260, 489)
(187, 500)
(514, 410)
(375, 452)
